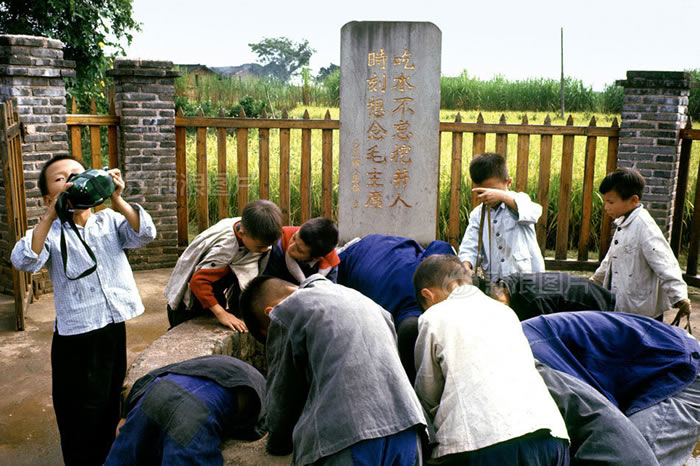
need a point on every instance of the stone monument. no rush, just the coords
(389, 129)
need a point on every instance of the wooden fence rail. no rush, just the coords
(15, 202)
(94, 122)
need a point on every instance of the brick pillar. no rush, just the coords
(32, 73)
(145, 100)
(654, 110)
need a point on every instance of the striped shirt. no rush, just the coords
(109, 294)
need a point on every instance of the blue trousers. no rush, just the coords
(400, 449)
(180, 420)
(672, 426)
(535, 449)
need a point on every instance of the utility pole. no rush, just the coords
(562, 73)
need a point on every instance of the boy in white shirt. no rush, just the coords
(476, 376)
(639, 268)
(509, 244)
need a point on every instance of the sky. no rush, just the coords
(514, 39)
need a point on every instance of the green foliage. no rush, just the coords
(500, 94)
(694, 100)
(85, 27)
(611, 99)
(252, 108)
(332, 87)
(325, 72)
(281, 57)
(306, 85)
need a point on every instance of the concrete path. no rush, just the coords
(28, 432)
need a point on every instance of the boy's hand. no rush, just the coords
(232, 322)
(492, 197)
(683, 307)
(51, 213)
(116, 175)
(228, 320)
(596, 281)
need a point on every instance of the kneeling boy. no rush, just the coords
(648, 369)
(180, 413)
(219, 262)
(304, 251)
(476, 376)
(336, 390)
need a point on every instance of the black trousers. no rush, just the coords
(87, 373)
(407, 334)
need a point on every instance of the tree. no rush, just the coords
(85, 27)
(324, 73)
(281, 57)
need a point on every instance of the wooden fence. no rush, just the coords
(457, 130)
(94, 122)
(242, 127)
(525, 132)
(15, 201)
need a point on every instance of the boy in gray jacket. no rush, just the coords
(336, 390)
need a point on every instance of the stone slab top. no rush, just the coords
(30, 41)
(658, 80)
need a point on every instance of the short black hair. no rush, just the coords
(262, 220)
(488, 165)
(320, 235)
(43, 188)
(626, 182)
(439, 270)
(250, 306)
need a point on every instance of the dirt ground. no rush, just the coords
(28, 432)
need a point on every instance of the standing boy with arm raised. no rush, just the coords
(88, 351)
(509, 243)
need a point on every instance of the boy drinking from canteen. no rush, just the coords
(219, 262)
(639, 268)
(304, 251)
(88, 350)
(509, 242)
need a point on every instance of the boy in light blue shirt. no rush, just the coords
(94, 295)
(510, 244)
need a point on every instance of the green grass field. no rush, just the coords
(534, 118)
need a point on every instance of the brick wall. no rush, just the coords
(145, 101)
(654, 110)
(32, 73)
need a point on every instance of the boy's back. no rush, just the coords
(335, 376)
(476, 375)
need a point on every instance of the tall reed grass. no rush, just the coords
(213, 93)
